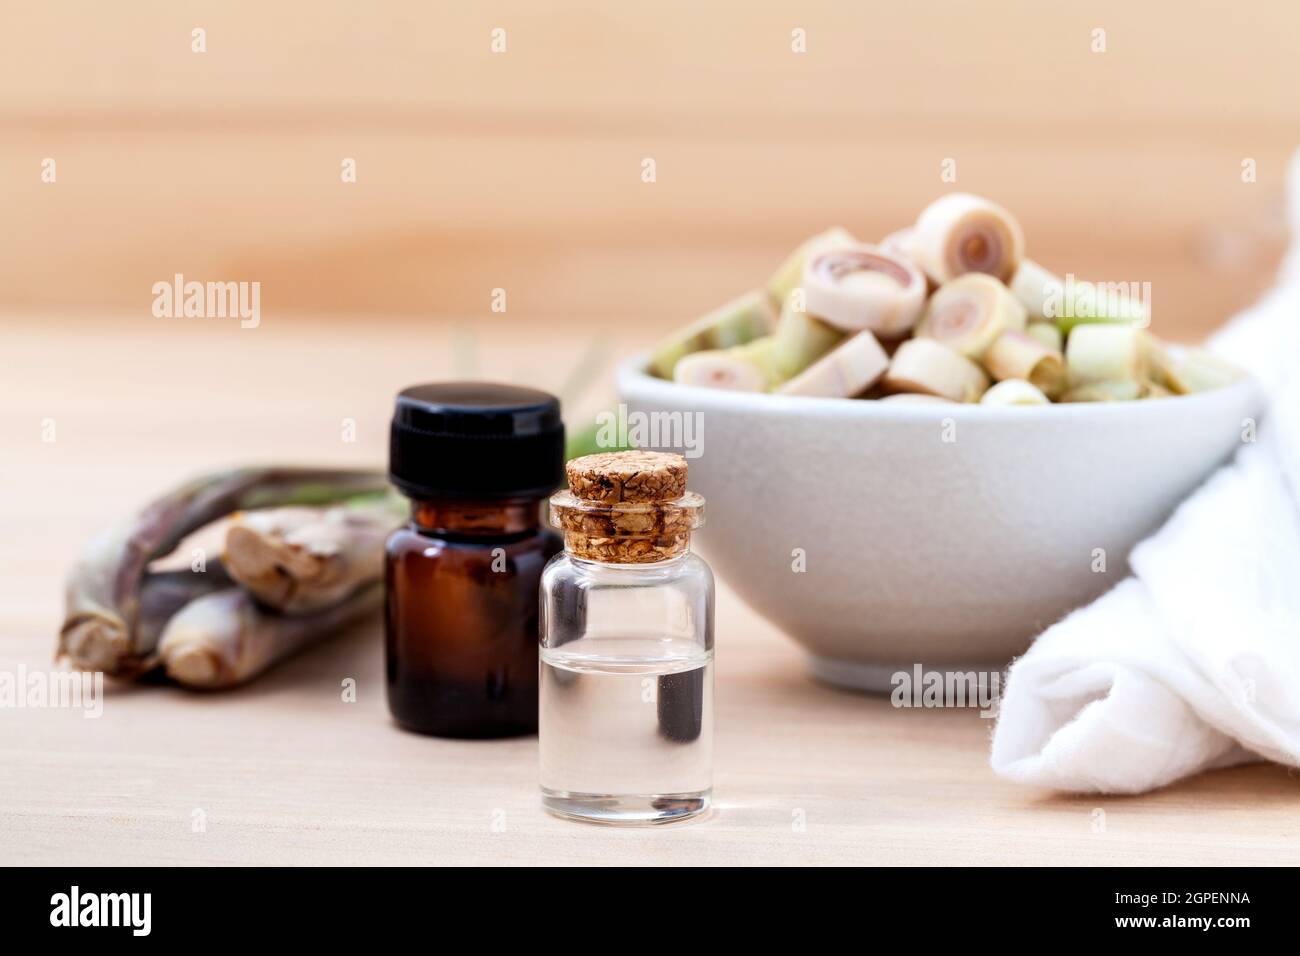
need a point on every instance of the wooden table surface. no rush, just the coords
(285, 772)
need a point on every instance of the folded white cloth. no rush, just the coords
(1194, 661)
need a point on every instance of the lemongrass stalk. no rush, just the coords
(915, 398)
(1014, 391)
(1117, 391)
(1161, 367)
(1036, 287)
(790, 273)
(1017, 355)
(846, 371)
(741, 320)
(969, 313)
(1048, 335)
(226, 639)
(801, 339)
(929, 367)
(900, 242)
(1087, 303)
(100, 628)
(163, 593)
(1200, 371)
(298, 560)
(1106, 353)
(960, 233)
(864, 287)
(721, 368)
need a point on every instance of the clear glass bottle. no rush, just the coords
(626, 685)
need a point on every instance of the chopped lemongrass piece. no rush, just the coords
(721, 368)
(739, 321)
(864, 287)
(1035, 287)
(790, 274)
(960, 233)
(1200, 371)
(1087, 303)
(762, 352)
(1160, 366)
(1106, 353)
(900, 241)
(1048, 335)
(1125, 391)
(916, 398)
(969, 313)
(1017, 355)
(924, 365)
(1014, 391)
(800, 340)
(845, 372)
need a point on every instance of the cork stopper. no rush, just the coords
(611, 477)
(628, 507)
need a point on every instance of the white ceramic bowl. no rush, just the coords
(918, 549)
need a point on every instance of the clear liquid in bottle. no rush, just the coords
(627, 728)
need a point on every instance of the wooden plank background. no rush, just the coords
(521, 170)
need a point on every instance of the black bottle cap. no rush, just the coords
(476, 440)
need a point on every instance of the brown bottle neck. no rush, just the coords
(465, 517)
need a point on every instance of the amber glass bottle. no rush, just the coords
(461, 625)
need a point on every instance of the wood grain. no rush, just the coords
(286, 772)
(521, 170)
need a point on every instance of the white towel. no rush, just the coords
(1194, 661)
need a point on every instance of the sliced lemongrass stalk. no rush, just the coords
(762, 352)
(1048, 335)
(960, 233)
(1106, 353)
(900, 241)
(787, 278)
(741, 320)
(969, 313)
(1200, 371)
(800, 340)
(1125, 391)
(1157, 391)
(1194, 371)
(297, 560)
(926, 366)
(1086, 303)
(1018, 355)
(1161, 366)
(226, 638)
(915, 398)
(1014, 391)
(864, 287)
(101, 627)
(846, 371)
(1036, 288)
(721, 368)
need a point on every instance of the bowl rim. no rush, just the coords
(631, 376)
